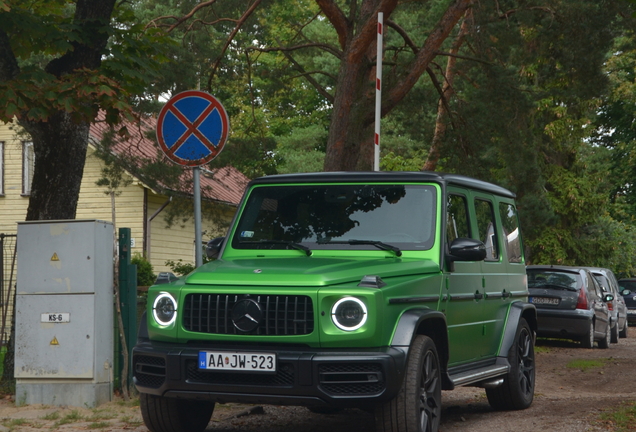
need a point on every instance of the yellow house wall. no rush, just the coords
(174, 243)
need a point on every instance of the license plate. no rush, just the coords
(237, 361)
(544, 300)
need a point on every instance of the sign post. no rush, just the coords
(192, 129)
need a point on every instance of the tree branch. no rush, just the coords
(407, 39)
(331, 49)
(368, 30)
(428, 51)
(179, 20)
(336, 18)
(309, 78)
(229, 39)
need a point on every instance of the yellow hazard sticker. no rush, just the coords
(54, 341)
(55, 257)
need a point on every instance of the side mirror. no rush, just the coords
(608, 298)
(165, 277)
(213, 248)
(467, 249)
(626, 292)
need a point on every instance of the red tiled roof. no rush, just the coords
(221, 184)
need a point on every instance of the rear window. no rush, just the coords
(551, 278)
(630, 285)
(602, 281)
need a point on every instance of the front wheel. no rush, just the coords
(162, 414)
(614, 333)
(588, 338)
(418, 405)
(517, 390)
(605, 342)
(623, 332)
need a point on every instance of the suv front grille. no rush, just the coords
(281, 314)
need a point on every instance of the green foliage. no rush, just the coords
(41, 33)
(145, 274)
(180, 267)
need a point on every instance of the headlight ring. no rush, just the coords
(164, 309)
(349, 313)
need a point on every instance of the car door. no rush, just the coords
(601, 311)
(464, 289)
(495, 279)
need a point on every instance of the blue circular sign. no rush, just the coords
(192, 128)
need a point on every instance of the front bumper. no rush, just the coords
(305, 376)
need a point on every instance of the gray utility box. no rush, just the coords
(64, 313)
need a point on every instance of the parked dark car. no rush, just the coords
(570, 304)
(617, 308)
(628, 291)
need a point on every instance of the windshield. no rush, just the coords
(553, 279)
(330, 216)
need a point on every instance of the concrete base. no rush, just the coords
(79, 394)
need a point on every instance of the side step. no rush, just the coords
(476, 375)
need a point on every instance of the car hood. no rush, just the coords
(304, 271)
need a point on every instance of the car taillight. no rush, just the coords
(581, 302)
(610, 305)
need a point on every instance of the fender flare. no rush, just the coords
(518, 310)
(427, 322)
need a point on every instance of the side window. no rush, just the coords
(456, 218)
(487, 229)
(512, 237)
(28, 162)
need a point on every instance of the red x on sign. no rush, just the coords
(192, 128)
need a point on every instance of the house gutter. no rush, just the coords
(149, 224)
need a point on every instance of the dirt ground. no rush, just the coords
(566, 399)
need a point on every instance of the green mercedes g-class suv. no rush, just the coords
(333, 290)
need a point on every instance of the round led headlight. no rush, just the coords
(165, 309)
(349, 314)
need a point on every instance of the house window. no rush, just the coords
(28, 161)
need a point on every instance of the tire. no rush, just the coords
(605, 342)
(517, 390)
(162, 414)
(418, 404)
(614, 334)
(623, 332)
(588, 338)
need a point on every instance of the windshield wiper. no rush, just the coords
(289, 244)
(376, 243)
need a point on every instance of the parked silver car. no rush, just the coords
(617, 308)
(570, 304)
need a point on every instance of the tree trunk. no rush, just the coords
(350, 143)
(60, 152)
(442, 106)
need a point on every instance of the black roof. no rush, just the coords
(385, 176)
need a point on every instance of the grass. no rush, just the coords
(98, 425)
(584, 364)
(621, 419)
(51, 416)
(72, 417)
